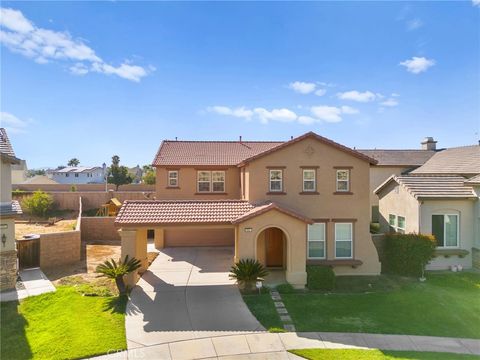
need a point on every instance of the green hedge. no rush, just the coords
(320, 277)
(407, 254)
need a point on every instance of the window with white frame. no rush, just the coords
(343, 180)
(445, 228)
(343, 240)
(211, 181)
(401, 224)
(173, 178)
(204, 178)
(276, 180)
(397, 223)
(218, 181)
(309, 181)
(316, 241)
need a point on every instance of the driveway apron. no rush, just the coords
(186, 294)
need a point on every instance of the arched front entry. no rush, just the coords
(272, 248)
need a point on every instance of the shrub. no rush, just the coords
(73, 188)
(285, 289)
(38, 203)
(407, 254)
(320, 277)
(247, 272)
(117, 270)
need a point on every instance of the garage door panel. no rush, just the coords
(199, 237)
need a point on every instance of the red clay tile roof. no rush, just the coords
(226, 153)
(230, 153)
(182, 212)
(402, 158)
(261, 209)
(171, 212)
(432, 187)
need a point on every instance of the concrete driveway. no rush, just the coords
(186, 294)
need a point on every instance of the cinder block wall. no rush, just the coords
(99, 229)
(60, 248)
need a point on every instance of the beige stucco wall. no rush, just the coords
(394, 199)
(187, 181)
(326, 205)
(5, 182)
(296, 239)
(199, 236)
(466, 211)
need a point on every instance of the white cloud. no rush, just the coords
(414, 24)
(391, 102)
(327, 113)
(320, 92)
(240, 112)
(282, 115)
(355, 95)
(302, 87)
(416, 65)
(12, 123)
(349, 110)
(20, 35)
(476, 2)
(306, 120)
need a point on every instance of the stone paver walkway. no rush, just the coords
(35, 283)
(275, 346)
(282, 311)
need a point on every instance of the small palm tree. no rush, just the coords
(247, 272)
(117, 270)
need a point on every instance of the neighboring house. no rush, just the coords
(286, 204)
(395, 162)
(137, 174)
(78, 175)
(8, 211)
(442, 197)
(19, 172)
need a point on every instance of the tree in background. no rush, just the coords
(73, 162)
(149, 175)
(32, 173)
(117, 174)
(38, 203)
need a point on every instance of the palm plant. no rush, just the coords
(117, 270)
(246, 272)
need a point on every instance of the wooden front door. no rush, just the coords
(274, 247)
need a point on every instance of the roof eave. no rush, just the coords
(9, 158)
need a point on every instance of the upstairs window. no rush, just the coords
(211, 181)
(276, 180)
(445, 229)
(397, 223)
(173, 178)
(309, 181)
(343, 180)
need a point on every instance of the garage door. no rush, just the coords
(199, 237)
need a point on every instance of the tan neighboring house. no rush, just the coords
(8, 211)
(19, 172)
(442, 198)
(286, 204)
(395, 162)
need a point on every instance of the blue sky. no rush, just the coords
(90, 80)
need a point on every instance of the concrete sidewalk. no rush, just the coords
(275, 346)
(35, 283)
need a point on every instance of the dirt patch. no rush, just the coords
(22, 228)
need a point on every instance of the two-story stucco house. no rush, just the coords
(286, 204)
(9, 209)
(78, 175)
(442, 198)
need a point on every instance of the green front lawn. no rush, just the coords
(62, 325)
(351, 354)
(447, 304)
